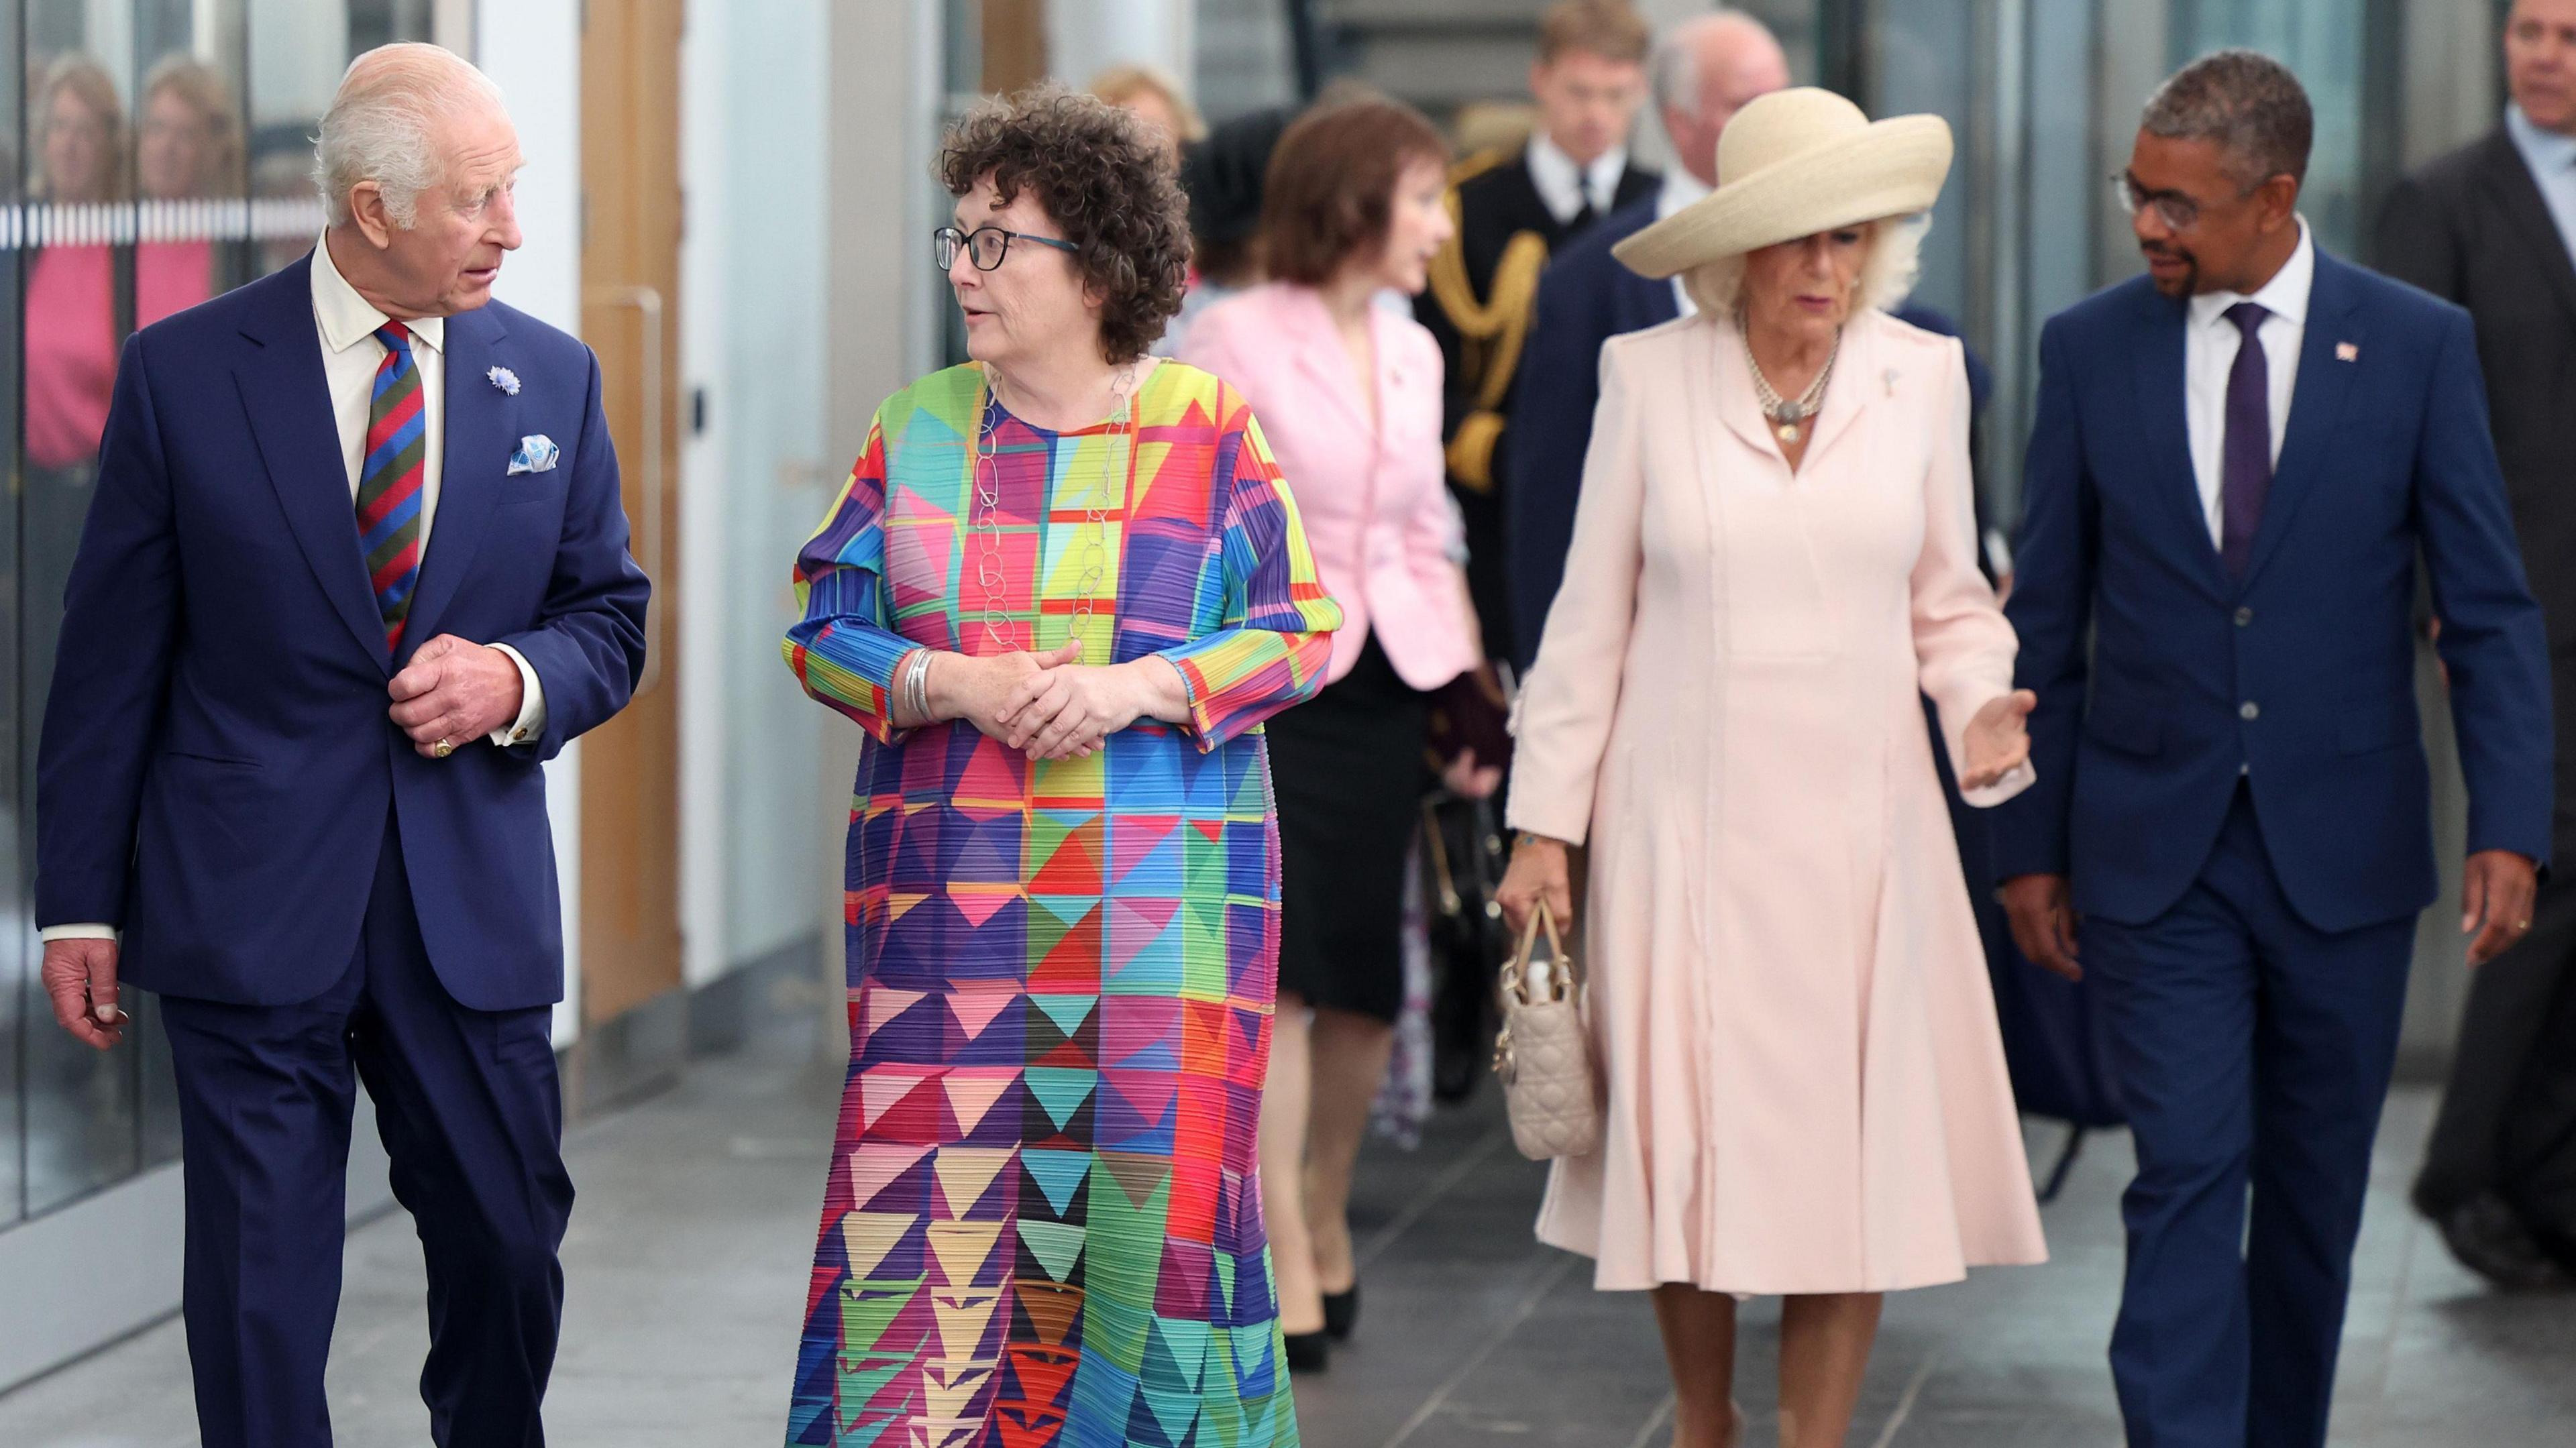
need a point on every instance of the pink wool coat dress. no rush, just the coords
(1805, 1088)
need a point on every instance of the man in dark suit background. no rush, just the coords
(2236, 465)
(355, 567)
(2492, 227)
(1513, 211)
(1702, 72)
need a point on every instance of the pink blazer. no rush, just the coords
(1372, 497)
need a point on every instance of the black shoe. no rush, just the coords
(2492, 1240)
(1309, 1352)
(1341, 1312)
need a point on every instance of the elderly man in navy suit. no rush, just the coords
(2238, 462)
(355, 567)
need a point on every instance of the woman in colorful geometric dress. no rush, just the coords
(1060, 592)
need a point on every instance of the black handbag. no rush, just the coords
(1464, 853)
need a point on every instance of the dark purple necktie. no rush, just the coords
(2245, 458)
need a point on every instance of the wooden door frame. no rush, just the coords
(633, 1003)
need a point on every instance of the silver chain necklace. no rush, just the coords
(1789, 417)
(987, 522)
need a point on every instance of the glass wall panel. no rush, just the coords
(158, 152)
(1922, 59)
(2327, 43)
(15, 933)
(81, 299)
(298, 48)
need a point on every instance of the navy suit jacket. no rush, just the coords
(1585, 298)
(217, 763)
(2300, 677)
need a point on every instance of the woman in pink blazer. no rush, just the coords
(1349, 392)
(1772, 563)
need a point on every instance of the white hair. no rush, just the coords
(380, 125)
(1887, 273)
(1674, 67)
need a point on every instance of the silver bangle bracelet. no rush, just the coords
(916, 686)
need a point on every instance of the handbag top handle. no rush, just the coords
(1516, 974)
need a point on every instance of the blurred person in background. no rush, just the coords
(1773, 562)
(80, 306)
(1350, 391)
(1512, 211)
(190, 148)
(1223, 176)
(2492, 226)
(79, 309)
(2245, 464)
(1157, 99)
(1062, 590)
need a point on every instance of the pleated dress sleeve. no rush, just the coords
(1275, 638)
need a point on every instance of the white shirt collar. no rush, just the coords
(2284, 296)
(347, 318)
(2543, 151)
(1680, 189)
(1560, 181)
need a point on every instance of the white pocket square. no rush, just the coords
(536, 454)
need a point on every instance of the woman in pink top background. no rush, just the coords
(1349, 394)
(71, 322)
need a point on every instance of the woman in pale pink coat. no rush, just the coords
(1805, 1090)
(1348, 391)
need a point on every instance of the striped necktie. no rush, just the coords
(390, 480)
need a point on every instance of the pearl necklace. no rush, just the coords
(1788, 417)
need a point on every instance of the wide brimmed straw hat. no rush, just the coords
(1791, 164)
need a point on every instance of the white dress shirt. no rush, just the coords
(1680, 189)
(1561, 182)
(2551, 155)
(2209, 354)
(350, 356)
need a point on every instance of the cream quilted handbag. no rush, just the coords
(1544, 1054)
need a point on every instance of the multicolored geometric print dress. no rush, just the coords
(1043, 1220)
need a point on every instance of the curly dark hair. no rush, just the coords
(1108, 184)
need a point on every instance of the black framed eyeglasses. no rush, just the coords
(985, 245)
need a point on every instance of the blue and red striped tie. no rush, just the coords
(390, 480)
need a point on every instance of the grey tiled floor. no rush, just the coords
(687, 1265)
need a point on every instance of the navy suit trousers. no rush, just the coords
(469, 1108)
(2252, 1050)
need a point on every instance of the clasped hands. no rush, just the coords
(1051, 705)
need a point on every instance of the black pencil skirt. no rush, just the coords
(1347, 770)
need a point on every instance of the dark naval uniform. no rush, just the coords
(1479, 305)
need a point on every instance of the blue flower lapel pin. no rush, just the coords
(505, 379)
(536, 454)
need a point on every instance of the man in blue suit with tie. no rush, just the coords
(2237, 461)
(356, 566)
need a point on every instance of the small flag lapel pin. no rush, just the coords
(2347, 351)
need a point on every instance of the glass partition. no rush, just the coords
(157, 153)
